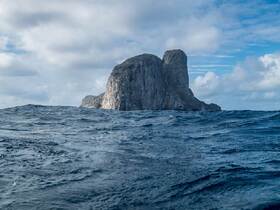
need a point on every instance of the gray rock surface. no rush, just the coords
(92, 101)
(145, 82)
(136, 84)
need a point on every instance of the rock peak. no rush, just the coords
(141, 58)
(177, 57)
(145, 82)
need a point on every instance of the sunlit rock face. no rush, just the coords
(145, 82)
(136, 84)
(92, 101)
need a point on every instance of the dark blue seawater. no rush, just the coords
(72, 158)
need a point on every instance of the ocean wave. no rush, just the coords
(78, 158)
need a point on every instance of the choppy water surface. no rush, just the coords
(71, 158)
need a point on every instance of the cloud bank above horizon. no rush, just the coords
(56, 52)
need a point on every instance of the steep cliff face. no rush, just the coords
(146, 82)
(177, 79)
(136, 84)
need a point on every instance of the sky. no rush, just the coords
(57, 51)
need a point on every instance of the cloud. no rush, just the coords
(70, 49)
(207, 84)
(3, 43)
(66, 49)
(13, 65)
(5, 60)
(252, 83)
(203, 38)
(271, 72)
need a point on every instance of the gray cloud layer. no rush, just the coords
(55, 52)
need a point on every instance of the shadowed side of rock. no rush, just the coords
(146, 82)
(178, 94)
(177, 79)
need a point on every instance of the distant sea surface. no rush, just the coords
(75, 158)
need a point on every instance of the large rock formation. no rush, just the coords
(146, 82)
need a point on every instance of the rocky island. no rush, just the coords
(146, 82)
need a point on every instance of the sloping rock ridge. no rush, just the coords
(146, 82)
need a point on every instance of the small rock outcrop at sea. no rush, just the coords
(146, 82)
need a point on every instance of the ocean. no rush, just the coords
(78, 158)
